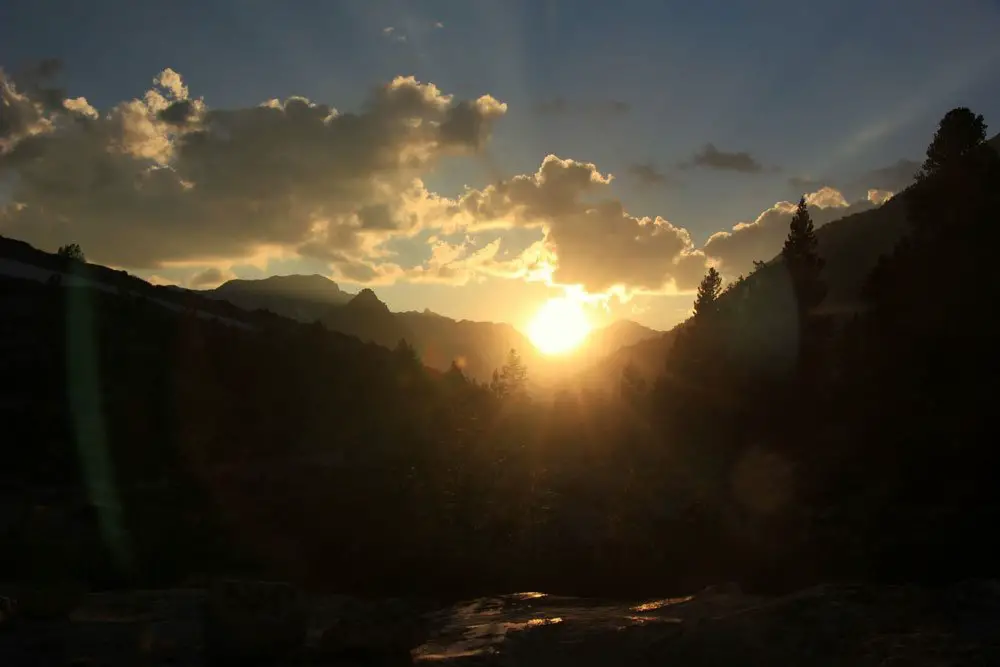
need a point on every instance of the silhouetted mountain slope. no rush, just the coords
(851, 247)
(164, 440)
(19, 260)
(619, 334)
(477, 347)
(304, 298)
(367, 318)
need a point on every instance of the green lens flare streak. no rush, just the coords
(82, 364)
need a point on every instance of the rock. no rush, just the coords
(383, 634)
(253, 622)
(54, 600)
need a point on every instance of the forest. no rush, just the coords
(781, 445)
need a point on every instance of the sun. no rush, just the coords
(559, 326)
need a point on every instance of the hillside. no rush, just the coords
(851, 247)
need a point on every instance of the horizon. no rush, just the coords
(544, 174)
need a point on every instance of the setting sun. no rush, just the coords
(559, 326)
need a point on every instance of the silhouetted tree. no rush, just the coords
(801, 255)
(958, 134)
(72, 251)
(405, 354)
(708, 293)
(952, 194)
(455, 376)
(512, 378)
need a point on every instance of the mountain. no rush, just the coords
(617, 335)
(303, 298)
(477, 347)
(368, 318)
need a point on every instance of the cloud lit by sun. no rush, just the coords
(559, 326)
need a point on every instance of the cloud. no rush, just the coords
(392, 34)
(459, 264)
(648, 175)
(165, 179)
(879, 197)
(81, 106)
(736, 250)
(210, 277)
(560, 106)
(20, 115)
(712, 158)
(591, 240)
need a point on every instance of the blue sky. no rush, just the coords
(825, 92)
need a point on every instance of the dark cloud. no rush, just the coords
(649, 175)
(179, 113)
(138, 188)
(560, 106)
(36, 80)
(711, 157)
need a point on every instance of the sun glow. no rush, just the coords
(559, 326)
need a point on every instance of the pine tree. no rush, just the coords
(512, 378)
(801, 255)
(405, 355)
(955, 190)
(514, 373)
(958, 134)
(708, 293)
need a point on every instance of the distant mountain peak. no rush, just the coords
(305, 284)
(367, 299)
(625, 325)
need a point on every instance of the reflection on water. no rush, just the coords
(479, 627)
(657, 604)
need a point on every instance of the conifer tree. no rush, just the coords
(512, 378)
(801, 255)
(958, 134)
(708, 292)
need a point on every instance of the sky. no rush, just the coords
(474, 158)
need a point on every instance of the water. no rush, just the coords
(483, 627)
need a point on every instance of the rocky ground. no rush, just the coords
(248, 623)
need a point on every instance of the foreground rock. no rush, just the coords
(823, 626)
(248, 623)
